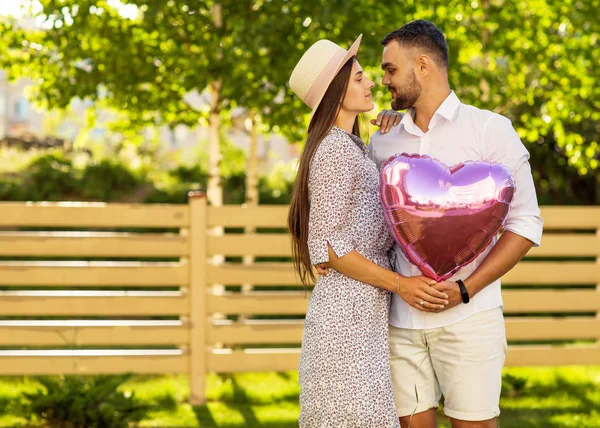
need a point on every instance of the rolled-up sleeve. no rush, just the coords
(333, 177)
(503, 145)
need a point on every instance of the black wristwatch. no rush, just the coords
(463, 291)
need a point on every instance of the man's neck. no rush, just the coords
(427, 106)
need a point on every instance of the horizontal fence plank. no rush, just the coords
(86, 333)
(175, 274)
(552, 355)
(87, 214)
(550, 273)
(248, 216)
(258, 273)
(40, 363)
(290, 331)
(566, 217)
(68, 303)
(253, 360)
(284, 303)
(567, 245)
(91, 244)
(521, 301)
(555, 217)
(251, 245)
(99, 244)
(255, 331)
(525, 273)
(92, 333)
(515, 301)
(576, 328)
(94, 273)
(554, 245)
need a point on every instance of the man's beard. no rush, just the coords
(407, 96)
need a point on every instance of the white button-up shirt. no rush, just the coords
(457, 133)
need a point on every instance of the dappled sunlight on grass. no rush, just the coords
(11, 421)
(183, 415)
(532, 398)
(256, 388)
(152, 388)
(553, 398)
(223, 415)
(12, 386)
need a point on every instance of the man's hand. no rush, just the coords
(417, 289)
(452, 290)
(386, 119)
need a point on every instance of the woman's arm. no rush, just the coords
(412, 289)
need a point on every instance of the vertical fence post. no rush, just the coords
(197, 297)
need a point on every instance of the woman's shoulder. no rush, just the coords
(338, 139)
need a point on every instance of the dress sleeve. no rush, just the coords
(333, 176)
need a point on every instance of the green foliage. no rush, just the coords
(532, 397)
(107, 180)
(83, 402)
(52, 176)
(532, 61)
(189, 174)
(57, 176)
(513, 385)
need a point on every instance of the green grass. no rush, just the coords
(532, 398)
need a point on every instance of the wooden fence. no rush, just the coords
(111, 288)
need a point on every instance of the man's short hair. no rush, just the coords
(421, 34)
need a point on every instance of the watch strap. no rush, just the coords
(463, 291)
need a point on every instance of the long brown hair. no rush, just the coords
(319, 127)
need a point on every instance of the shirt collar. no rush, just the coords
(447, 110)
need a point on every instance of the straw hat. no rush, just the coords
(316, 69)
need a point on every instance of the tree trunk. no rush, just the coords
(252, 165)
(214, 192)
(251, 183)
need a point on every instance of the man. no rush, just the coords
(459, 351)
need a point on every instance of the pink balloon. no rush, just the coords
(441, 217)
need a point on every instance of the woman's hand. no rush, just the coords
(413, 290)
(323, 269)
(418, 292)
(386, 119)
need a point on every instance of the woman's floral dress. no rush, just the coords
(344, 368)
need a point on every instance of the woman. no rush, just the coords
(335, 218)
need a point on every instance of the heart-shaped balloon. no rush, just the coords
(442, 217)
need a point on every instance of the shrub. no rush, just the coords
(50, 177)
(84, 402)
(107, 180)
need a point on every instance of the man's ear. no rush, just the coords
(423, 65)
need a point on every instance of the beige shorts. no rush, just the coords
(462, 361)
